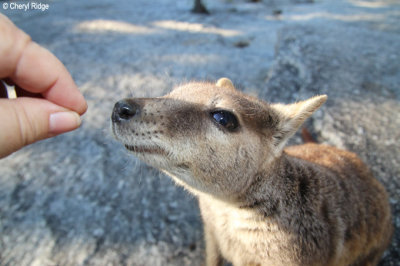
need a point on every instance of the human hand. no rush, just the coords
(37, 72)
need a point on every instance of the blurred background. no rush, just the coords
(81, 199)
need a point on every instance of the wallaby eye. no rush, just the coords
(225, 119)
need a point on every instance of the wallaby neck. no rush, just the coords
(285, 183)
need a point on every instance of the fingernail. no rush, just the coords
(63, 121)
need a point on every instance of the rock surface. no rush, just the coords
(80, 199)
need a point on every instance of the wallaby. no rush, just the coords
(261, 203)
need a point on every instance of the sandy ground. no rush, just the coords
(80, 199)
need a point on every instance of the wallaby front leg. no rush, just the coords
(213, 254)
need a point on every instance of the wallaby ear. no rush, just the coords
(292, 116)
(225, 83)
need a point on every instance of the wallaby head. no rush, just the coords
(209, 137)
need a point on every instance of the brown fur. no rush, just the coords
(261, 204)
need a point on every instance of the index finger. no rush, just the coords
(35, 69)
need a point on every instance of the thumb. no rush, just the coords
(27, 120)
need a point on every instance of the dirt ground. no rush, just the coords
(81, 199)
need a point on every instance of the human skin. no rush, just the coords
(55, 103)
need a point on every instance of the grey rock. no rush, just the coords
(81, 199)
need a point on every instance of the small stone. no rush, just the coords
(242, 43)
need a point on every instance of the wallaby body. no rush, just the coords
(261, 204)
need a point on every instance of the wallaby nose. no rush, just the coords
(124, 110)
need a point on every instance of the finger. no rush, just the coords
(36, 69)
(26, 120)
(39, 71)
